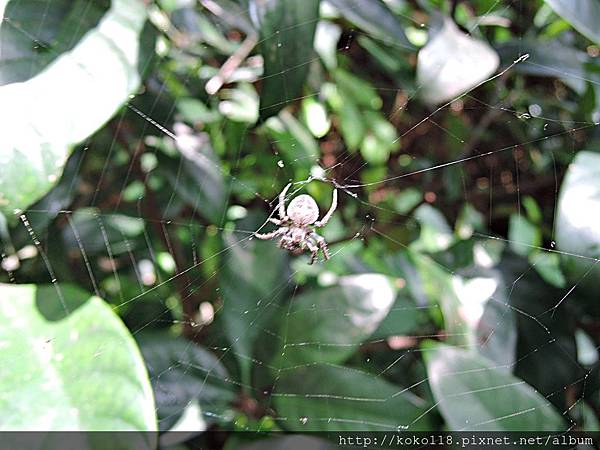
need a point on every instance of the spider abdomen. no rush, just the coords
(303, 210)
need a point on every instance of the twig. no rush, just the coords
(229, 12)
(233, 62)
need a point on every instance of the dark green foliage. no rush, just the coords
(461, 292)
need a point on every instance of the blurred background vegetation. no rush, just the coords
(142, 143)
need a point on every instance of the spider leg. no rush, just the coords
(326, 217)
(322, 243)
(314, 250)
(275, 221)
(282, 215)
(272, 234)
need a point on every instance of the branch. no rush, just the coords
(233, 62)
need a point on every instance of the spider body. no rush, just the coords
(297, 225)
(303, 210)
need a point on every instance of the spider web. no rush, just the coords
(132, 276)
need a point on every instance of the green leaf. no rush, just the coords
(314, 115)
(437, 286)
(45, 116)
(254, 279)
(94, 232)
(372, 151)
(341, 97)
(453, 63)
(523, 235)
(46, 209)
(351, 124)
(79, 372)
(382, 129)
(196, 112)
(327, 325)
(577, 219)
(240, 104)
(407, 199)
(469, 220)
(547, 265)
(496, 330)
(361, 91)
(374, 17)
(436, 234)
(403, 318)
(476, 396)
(474, 304)
(545, 344)
(327, 37)
(383, 56)
(548, 59)
(584, 15)
(287, 30)
(326, 398)
(587, 354)
(294, 141)
(381, 139)
(534, 213)
(182, 372)
(58, 27)
(306, 146)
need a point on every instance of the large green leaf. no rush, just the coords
(545, 341)
(183, 374)
(374, 17)
(287, 29)
(474, 302)
(523, 235)
(254, 279)
(453, 63)
(32, 36)
(547, 59)
(46, 209)
(327, 325)
(60, 371)
(96, 233)
(294, 141)
(485, 294)
(43, 117)
(436, 234)
(473, 394)
(437, 284)
(404, 317)
(584, 15)
(327, 398)
(578, 216)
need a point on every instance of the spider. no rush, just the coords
(296, 228)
